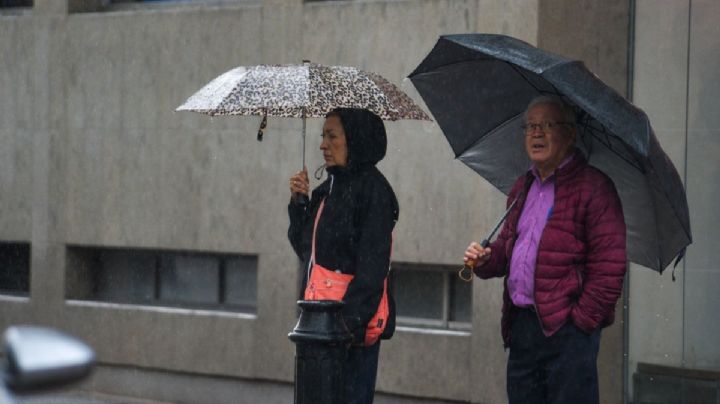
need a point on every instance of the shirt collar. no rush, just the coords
(565, 161)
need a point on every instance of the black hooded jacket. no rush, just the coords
(354, 233)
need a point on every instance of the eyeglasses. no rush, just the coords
(543, 126)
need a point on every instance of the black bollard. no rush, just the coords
(321, 342)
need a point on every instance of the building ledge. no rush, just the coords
(673, 371)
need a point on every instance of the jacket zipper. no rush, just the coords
(537, 313)
(580, 279)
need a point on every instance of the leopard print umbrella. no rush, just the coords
(305, 90)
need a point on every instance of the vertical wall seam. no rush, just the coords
(630, 78)
(685, 168)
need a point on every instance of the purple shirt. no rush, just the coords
(537, 210)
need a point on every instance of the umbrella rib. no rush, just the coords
(519, 71)
(512, 66)
(489, 134)
(602, 137)
(446, 65)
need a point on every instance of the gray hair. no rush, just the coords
(565, 109)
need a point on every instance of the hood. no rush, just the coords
(365, 137)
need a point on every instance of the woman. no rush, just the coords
(358, 211)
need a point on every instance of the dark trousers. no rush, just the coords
(359, 371)
(560, 369)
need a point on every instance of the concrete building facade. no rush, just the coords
(96, 168)
(673, 322)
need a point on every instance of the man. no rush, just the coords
(562, 253)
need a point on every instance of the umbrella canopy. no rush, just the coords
(304, 90)
(477, 87)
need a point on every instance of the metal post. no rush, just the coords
(321, 342)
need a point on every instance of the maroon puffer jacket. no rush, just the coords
(581, 259)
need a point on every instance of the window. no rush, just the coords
(15, 269)
(172, 1)
(225, 282)
(15, 3)
(93, 6)
(432, 296)
(143, 1)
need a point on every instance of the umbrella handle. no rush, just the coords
(302, 199)
(465, 273)
(470, 264)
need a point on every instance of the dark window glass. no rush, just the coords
(15, 268)
(15, 3)
(460, 300)
(145, 1)
(417, 294)
(125, 276)
(432, 296)
(189, 279)
(167, 278)
(240, 282)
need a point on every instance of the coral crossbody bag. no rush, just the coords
(326, 284)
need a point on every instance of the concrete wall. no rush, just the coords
(93, 155)
(677, 71)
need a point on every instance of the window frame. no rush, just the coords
(84, 255)
(444, 323)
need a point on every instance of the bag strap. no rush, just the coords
(317, 219)
(315, 225)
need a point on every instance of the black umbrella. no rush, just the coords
(477, 86)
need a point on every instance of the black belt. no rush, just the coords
(530, 309)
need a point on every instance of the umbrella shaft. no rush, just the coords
(470, 264)
(303, 140)
(486, 242)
